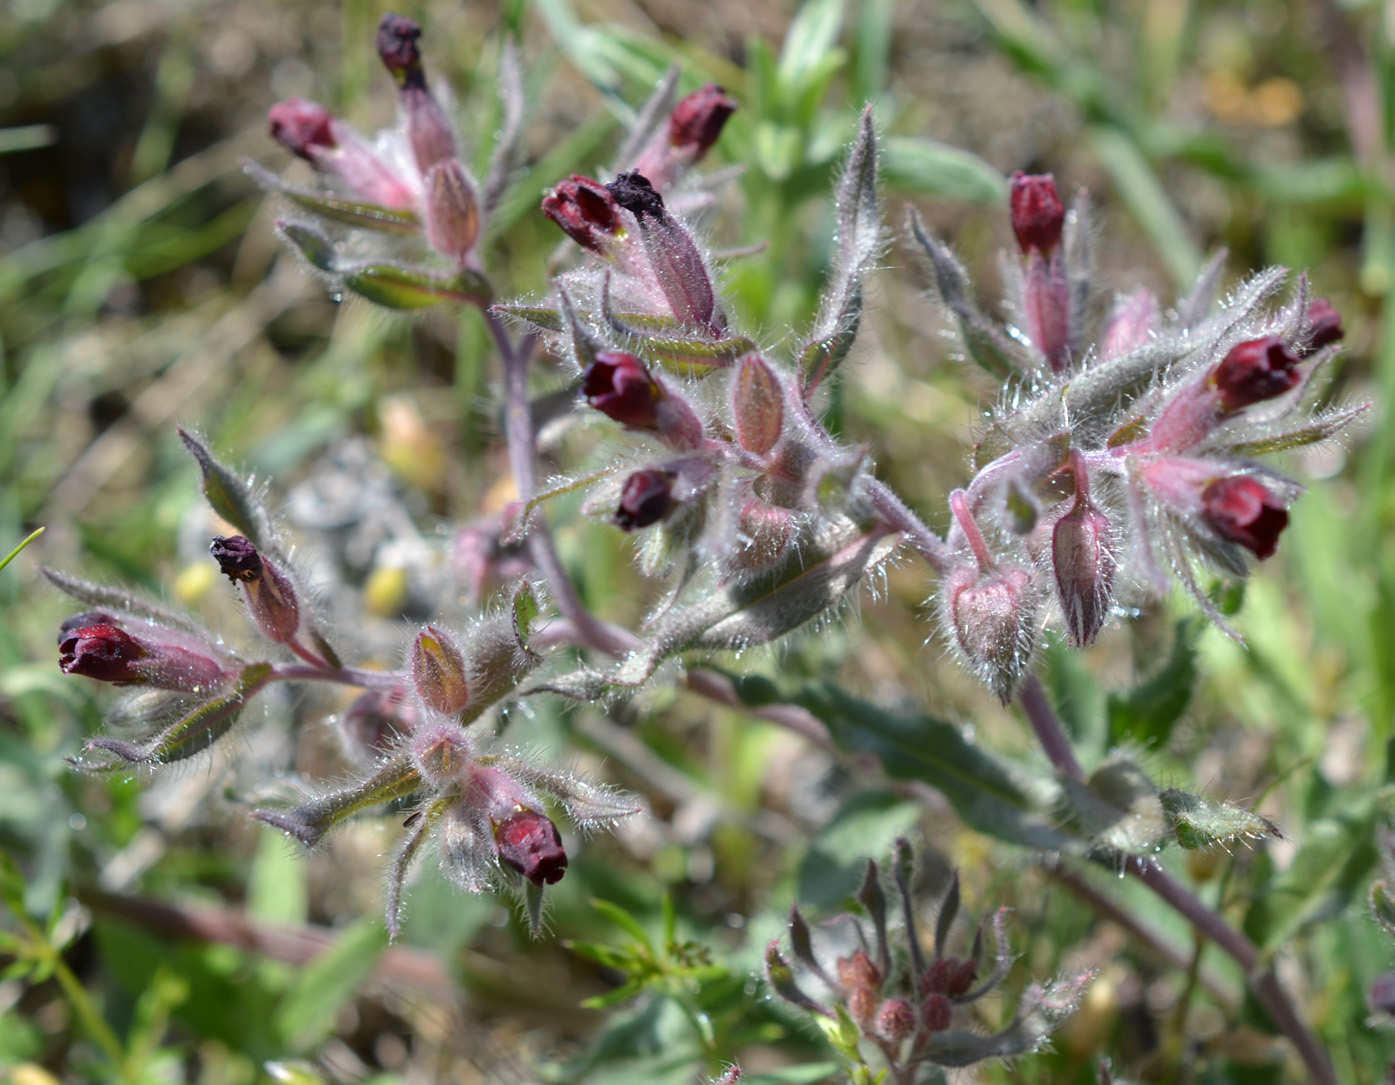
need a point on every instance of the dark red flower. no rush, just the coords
(619, 386)
(237, 558)
(530, 843)
(1038, 216)
(1253, 371)
(585, 210)
(697, 120)
(1240, 509)
(646, 499)
(103, 651)
(398, 49)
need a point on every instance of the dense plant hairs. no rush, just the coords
(1122, 456)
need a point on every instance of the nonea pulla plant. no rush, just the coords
(1128, 453)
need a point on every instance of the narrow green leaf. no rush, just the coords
(622, 919)
(924, 166)
(328, 982)
(105, 597)
(16, 551)
(1148, 712)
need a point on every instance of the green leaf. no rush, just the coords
(396, 287)
(988, 793)
(924, 166)
(329, 982)
(1148, 712)
(811, 36)
(230, 497)
(623, 920)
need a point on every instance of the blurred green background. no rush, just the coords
(141, 286)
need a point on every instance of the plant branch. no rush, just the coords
(518, 432)
(1208, 923)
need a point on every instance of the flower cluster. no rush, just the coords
(415, 736)
(1123, 457)
(912, 1007)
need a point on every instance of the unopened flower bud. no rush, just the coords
(862, 1007)
(586, 211)
(646, 499)
(1038, 216)
(1240, 509)
(992, 614)
(269, 593)
(949, 976)
(1322, 327)
(858, 971)
(937, 1013)
(766, 533)
(429, 130)
(302, 127)
(309, 130)
(1082, 556)
(374, 724)
(895, 1020)
(441, 752)
(697, 121)
(1131, 325)
(758, 405)
(620, 387)
(1254, 371)
(452, 211)
(530, 843)
(438, 672)
(681, 273)
(95, 645)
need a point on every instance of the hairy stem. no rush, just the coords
(897, 515)
(518, 432)
(1206, 922)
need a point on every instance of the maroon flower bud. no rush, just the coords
(620, 387)
(1323, 326)
(438, 672)
(1240, 509)
(949, 976)
(677, 264)
(1038, 216)
(758, 405)
(586, 211)
(94, 645)
(895, 1020)
(858, 971)
(936, 1012)
(766, 533)
(646, 499)
(237, 558)
(1082, 557)
(302, 127)
(697, 121)
(530, 843)
(269, 593)
(452, 211)
(398, 50)
(1254, 371)
(104, 652)
(1381, 995)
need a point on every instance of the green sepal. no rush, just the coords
(370, 216)
(310, 243)
(230, 497)
(1198, 823)
(309, 822)
(396, 287)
